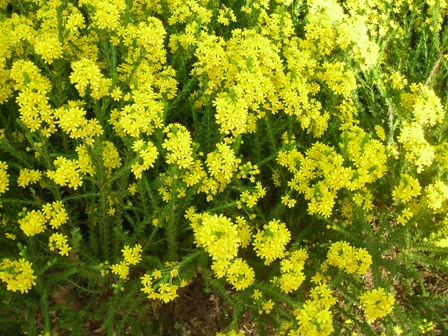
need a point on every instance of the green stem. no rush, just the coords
(171, 230)
(104, 237)
(270, 134)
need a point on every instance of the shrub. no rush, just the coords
(287, 159)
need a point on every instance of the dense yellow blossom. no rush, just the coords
(86, 73)
(244, 231)
(147, 155)
(376, 303)
(71, 119)
(428, 109)
(313, 320)
(408, 188)
(417, 149)
(121, 269)
(33, 223)
(111, 157)
(67, 173)
(28, 176)
(106, 13)
(239, 274)
(35, 110)
(55, 213)
(84, 161)
(178, 144)
(270, 243)
(291, 269)
(348, 258)
(222, 164)
(17, 274)
(218, 235)
(437, 195)
(163, 291)
(132, 255)
(48, 46)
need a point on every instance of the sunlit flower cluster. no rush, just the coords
(377, 303)
(270, 242)
(291, 269)
(348, 258)
(261, 121)
(147, 154)
(315, 317)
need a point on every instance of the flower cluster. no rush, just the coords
(87, 73)
(111, 157)
(4, 182)
(408, 188)
(222, 164)
(59, 241)
(218, 235)
(33, 87)
(71, 119)
(67, 173)
(220, 238)
(147, 154)
(261, 117)
(159, 287)
(34, 221)
(376, 303)
(348, 258)
(315, 317)
(131, 256)
(291, 269)
(18, 275)
(270, 242)
(178, 145)
(28, 176)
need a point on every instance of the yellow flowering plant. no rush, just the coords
(276, 167)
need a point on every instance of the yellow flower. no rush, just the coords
(239, 274)
(18, 275)
(348, 258)
(59, 241)
(408, 188)
(111, 157)
(33, 223)
(28, 176)
(218, 236)
(178, 144)
(10, 236)
(4, 182)
(291, 269)
(47, 45)
(66, 174)
(376, 303)
(121, 269)
(132, 255)
(270, 242)
(87, 72)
